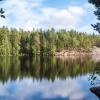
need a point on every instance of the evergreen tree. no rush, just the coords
(96, 3)
(4, 42)
(35, 42)
(2, 12)
(48, 42)
(14, 42)
(24, 42)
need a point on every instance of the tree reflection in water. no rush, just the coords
(45, 67)
(50, 68)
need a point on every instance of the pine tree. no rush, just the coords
(2, 12)
(96, 3)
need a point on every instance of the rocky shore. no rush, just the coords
(95, 52)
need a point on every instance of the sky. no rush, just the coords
(59, 14)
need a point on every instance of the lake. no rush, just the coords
(48, 78)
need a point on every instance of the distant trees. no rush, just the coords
(96, 3)
(24, 42)
(14, 39)
(4, 41)
(14, 42)
(34, 42)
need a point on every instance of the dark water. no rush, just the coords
(38, 78)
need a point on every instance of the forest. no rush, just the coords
(44, 42)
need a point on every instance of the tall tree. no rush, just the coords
(24, 42)
(4, 41)
(14, 42)
(35, 42)
(96, 3)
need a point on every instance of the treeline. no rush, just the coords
(20, 42)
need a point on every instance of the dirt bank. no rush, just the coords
(95, 51)
(72, 53)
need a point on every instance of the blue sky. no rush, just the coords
(63, 3)
(67, 14)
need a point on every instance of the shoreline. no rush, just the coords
(66, 53)
(73, 53)
(94, 51)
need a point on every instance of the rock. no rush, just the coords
(96, 91)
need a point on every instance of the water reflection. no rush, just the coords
(95, 80)
(49, 68)
(42, 78)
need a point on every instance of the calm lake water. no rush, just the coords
(38, 78)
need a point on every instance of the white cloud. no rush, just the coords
(62, 18)
(20, 13)
(30, 13)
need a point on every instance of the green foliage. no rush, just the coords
(35, 43)
(14, 42)
(24, 42)
(4, 42)
(2, 12)
(96, 3)
(14, 38)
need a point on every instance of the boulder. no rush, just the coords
(96, 91)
